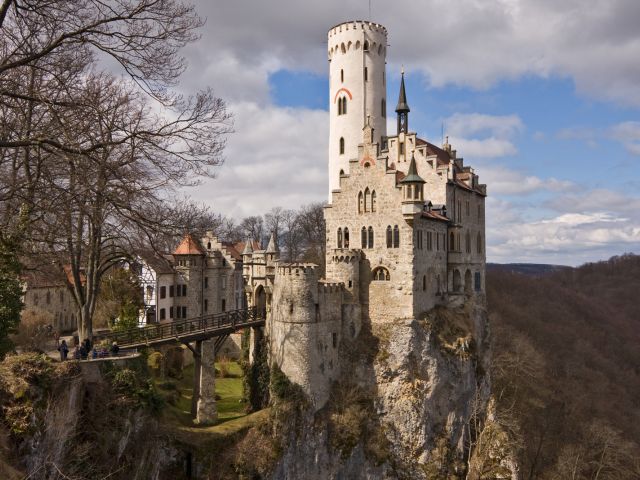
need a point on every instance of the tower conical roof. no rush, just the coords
(412, 173)
(248, 248)
(403, 106)
(272, 247)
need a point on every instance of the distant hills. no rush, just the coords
(535, 269)
(566, 366)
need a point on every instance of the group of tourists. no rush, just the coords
(87, 350)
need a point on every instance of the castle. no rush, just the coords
(405, 227)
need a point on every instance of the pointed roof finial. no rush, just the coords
(403, 106)
(272, 247)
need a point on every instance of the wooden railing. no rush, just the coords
(207, 326)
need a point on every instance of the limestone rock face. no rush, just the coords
(403, 406)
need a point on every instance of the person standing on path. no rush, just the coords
(64, 350)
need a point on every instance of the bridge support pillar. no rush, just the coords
(206, 410)
(255, 337)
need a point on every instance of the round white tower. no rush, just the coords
(357, 90)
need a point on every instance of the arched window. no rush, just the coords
(370, 237)
(346, 237)
(396, 237)
(373, 201)
(365, 46)
(343, 49)
(363, 237)
(341, 145)
(479, 243)
(381, 274)
(360, 202)
(341, 75)
(452, 242)
(389, 237)
(367, 200)
(344, 105)
(339, 238)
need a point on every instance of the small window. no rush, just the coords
(223, 305)
(363, 237)
(170, 312)
(346, 237)
(206, 305)
(341, 149)
(208, 245)
(370, 235)
(163, 292)
(365, 46)
(342, 75)
(184, 290)
(383, 108)
(389, 237)
(381, 274)
(452, 242)
(171, 290)
(366, 74)
(478, 282)
(344, 105)
(396, 237)
(206, 282)
(367, 199)
(178, 290)
(373, 201)
(184, 312)
(340, 238)
(424, 283)
(334, 340)
(479, 243)
(178, 312)
(360, 202)
(163, 314)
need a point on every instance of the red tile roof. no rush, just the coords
(434, 216)
(442, 155)
(189, 246)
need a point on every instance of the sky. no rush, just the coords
(541, 97)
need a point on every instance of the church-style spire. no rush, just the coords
(402, 109)
(273, 246)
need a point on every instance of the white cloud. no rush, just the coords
(277, 157)
(467, 43)
(496, 132)
(504, 181)
(629, 134)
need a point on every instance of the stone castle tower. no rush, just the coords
(357, 90)
(405, 226)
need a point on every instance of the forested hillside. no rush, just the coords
(566, 358)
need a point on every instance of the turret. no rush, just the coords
(357, 90)
(412, 192)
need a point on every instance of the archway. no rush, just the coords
(467, 282)
(457, 281)
(260, 299)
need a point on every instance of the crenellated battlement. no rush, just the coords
(297, 269)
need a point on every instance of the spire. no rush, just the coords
(272, 247)
(402, 109)
(248, 249)
(412, 173)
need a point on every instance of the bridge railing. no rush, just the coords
(181, 328)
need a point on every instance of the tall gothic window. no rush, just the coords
(367, 200)
(363, 237)
(396, 237)
(360, 202)
(389, 237)
(373, 201)
(346, 237)
(339, 238)
(370, 237)
(341, 75)
(341, 146)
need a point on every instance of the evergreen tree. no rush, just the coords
(10, 293)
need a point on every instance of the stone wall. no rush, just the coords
(57, 301)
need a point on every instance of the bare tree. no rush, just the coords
(253, 228)
(98, 201)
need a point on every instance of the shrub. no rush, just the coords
(32, 334)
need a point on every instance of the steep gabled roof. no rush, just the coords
(189, 246)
